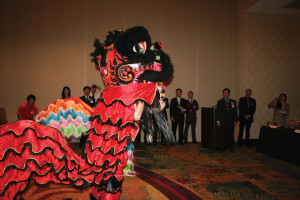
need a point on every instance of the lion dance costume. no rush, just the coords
(71, 116)
(130, 66)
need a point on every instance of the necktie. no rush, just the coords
(248, 103)
(191, 101)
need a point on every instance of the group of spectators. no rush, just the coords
(28, 110)
(184, 111)
(183, 114)
(227, 117)
(180, 107)
(90, 94)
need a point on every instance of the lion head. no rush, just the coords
(129, 57)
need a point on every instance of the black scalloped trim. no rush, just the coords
(63, 158)
(33, 153)
(110, 152)
(102, 186)
(105, 165)
(101, 99)
(117, 124)
(113, 136)
(117, 185)
(41, 138)
(37, 164)
(115, 100)
(84, 185)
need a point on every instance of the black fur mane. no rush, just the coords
(124, 42)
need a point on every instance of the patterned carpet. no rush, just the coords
(134, 188)
(146, 185)
(244, 174)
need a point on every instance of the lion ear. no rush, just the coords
(157, 45)
(112, 36)
(99, 52)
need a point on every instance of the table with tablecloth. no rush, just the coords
(282, 143)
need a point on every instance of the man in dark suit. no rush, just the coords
(226, 116)
(177, 109)
(247, 108)
(190, 117)
(86, 98)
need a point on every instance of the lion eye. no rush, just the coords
(140, 47)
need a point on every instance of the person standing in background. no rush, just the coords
(177, 109)
(28, 110)
(226, 116)
(247, 108)
(191, 117)
(66, 93)
(86, 98)
(281, 109)
(95, 93)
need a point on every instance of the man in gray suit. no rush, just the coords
(226, 116)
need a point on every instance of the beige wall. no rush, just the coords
(268, 61)
(45, 45)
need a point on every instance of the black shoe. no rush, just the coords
(185, 142)
(181, 143)
(195, 142)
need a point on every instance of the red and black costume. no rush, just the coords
(130, 65)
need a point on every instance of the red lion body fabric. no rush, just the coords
(112, 128)
(33, 151)
(130, 67)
